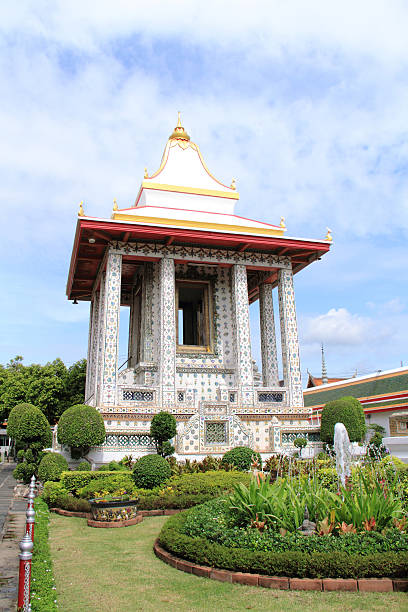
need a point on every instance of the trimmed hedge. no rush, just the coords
(81, 427)
(292, 563)
(347, 410)
(73, 481)
(51, 467)
(151, 471)
(241, 457)
(43, 592)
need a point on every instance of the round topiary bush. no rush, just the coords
(151, 471)
(29, 427)
(81, 427)
(241, 457)
(346, 410)
(51, 466)
(83, 466)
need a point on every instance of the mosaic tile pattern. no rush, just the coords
(101, 341)
(289, 340)
(93, 347)
(199, 253)
(242, 333)
(270, 373)
(167, 332)
(192, 439)
(112, 309)
(147, 324)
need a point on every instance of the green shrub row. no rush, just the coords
(291, 563)
(73, 481)
(213, 522)
(43, 592)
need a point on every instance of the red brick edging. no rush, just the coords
(373, 585)
(62, 512)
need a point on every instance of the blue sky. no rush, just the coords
(304, 103)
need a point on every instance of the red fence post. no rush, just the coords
(24, 579)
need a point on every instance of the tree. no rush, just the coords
(31, 432)
(29, 428)
(346, 410)
(81, 427)
(75, 383)
(162, 428)
(52, 387)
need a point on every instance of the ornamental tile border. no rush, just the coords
(373, 585)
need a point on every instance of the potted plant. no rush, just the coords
(118, 506)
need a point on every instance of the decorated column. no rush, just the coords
(268, 337)
(100, 342)
(111, 313)
(92, 349)
(242, 333)
(167, 332)
(148, 288)
(289, 339)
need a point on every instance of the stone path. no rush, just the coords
(12, 523)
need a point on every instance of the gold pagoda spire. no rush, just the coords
(179, 133)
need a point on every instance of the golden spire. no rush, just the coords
(179, 132)
(81, 212)
(146, 174)
(233, 184)
(115, 204)
(329, 236)
(282, 223)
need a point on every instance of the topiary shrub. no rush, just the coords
(241, 457)
(84, 466)
(51, 467)
(162, 428)
(151, 471)
(300, 442)
(29, 428)
(81, 427)
(346, 410)
(24, 471)
(52, 491)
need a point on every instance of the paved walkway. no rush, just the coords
(12, 523)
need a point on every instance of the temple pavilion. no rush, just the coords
(188, 268)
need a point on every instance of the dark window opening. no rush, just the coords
(192, 314)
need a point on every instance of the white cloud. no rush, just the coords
(339, 327)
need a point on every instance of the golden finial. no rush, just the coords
(179, 132)
(146, 174)
(115, 204)
(329, 236)
(81, 212)
(282, 223)
(233, 184)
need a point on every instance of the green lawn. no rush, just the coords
(115, 570)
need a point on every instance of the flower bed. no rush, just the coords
(289, 563)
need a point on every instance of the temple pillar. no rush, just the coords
(167, 352)
(91, 362)
(270, 373)
(289, 339)
(110, 329)
(147, 314)
(244, 376)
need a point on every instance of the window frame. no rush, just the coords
(207, 317)
(226, 432)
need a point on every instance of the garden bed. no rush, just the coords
(291, 563)
(373, 585)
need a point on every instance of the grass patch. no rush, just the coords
(116, 569)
